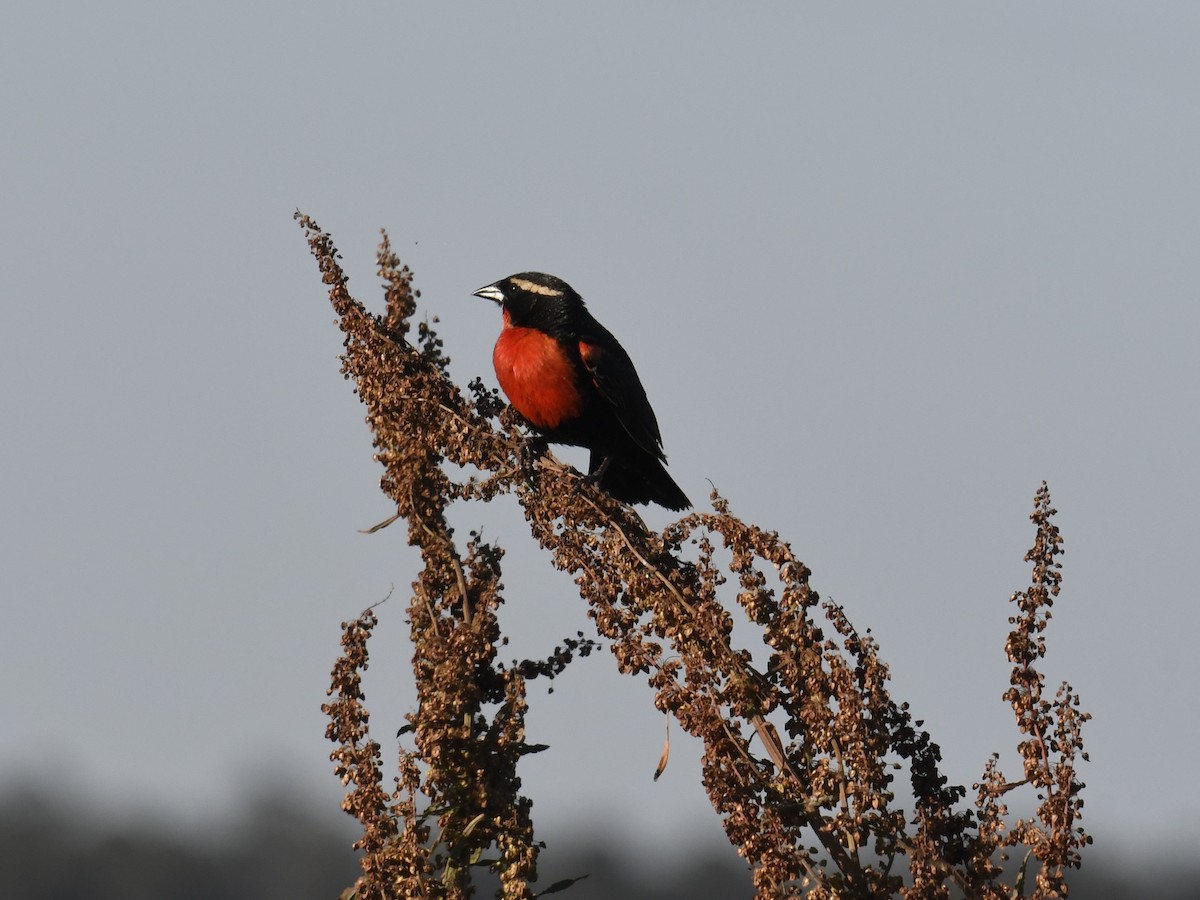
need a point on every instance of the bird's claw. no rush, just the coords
(532, 449)
(594, 477)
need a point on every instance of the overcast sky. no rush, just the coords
(883, 268)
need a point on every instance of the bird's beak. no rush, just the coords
(491, 292)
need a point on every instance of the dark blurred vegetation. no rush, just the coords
(55, 848)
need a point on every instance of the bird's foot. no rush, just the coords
(594, 477)
(532, 449)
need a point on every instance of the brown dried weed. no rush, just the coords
(800, 753)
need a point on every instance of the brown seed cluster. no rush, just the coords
(802, 739)
(1053, 742)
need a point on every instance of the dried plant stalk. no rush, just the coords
(800, 750)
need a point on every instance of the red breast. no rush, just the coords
(541, 382)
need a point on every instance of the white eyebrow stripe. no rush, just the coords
(535, 288)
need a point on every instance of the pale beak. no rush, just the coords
(491, 292)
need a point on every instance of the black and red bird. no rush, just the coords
(575, 384)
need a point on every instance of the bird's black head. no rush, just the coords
(536, 300)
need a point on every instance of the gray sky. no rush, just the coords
(882, 268)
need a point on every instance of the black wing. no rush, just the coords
(616, 379)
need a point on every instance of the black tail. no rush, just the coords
(639, 478)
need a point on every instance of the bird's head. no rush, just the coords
(535, 300)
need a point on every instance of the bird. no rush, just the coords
(573, 382)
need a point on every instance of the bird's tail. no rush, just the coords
(639, 479)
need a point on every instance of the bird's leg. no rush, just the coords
(532, 449)
(594, 477)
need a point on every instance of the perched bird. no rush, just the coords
(575, 384)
